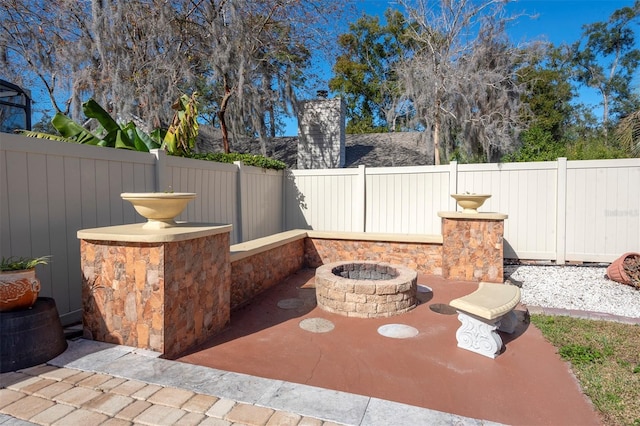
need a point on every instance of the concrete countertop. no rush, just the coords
(476, 216)
(134, 233)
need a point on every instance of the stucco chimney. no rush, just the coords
(321, 133)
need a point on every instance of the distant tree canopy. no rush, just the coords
(449, 70)
(246, 57)
(365, 71)
(446, 69)
(606, 59)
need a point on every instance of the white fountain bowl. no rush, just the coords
(159, 208)
(470, 202)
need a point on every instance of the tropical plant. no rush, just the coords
(628, 133)
(22, 263)
(178, 139)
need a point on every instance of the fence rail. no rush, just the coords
(559, 210)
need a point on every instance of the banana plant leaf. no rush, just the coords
(151, 141)
(74, 132)
(141, 141)
(114, 136)
(93, 110)
(41, 135)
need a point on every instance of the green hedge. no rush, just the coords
(247, 159)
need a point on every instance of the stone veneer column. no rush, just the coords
(165, 290)
(472, 246)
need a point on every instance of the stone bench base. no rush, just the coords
(484, 311)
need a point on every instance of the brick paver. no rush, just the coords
(33, 387)
(249, 414)
(160, 415)
(133, 410)
(38, 369)
(116, 422)
(190, 419)
(8, 379)
(129, 387)
(221, 408)
(52, 414)
(27, 407)
(283, 418)
(81, 417)
(94, 381)
(212, 421)
(146, 391)
(110, 384)
(171, 396)
(310, 421)
(199, 403)
(108, 403)
(80, 376)
(77, 396)
(59, 374)
(8, 396)
(53, 390)
(26, 380)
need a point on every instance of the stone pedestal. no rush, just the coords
(165, 290)
(472, 246)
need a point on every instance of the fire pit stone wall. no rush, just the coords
(366, 289)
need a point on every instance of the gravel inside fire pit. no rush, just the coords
(584, 288)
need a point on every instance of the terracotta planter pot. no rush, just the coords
(18, 289)
(616, 271)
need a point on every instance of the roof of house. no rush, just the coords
(370, 149)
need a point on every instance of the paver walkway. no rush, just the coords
(95, 383)
(48, 395)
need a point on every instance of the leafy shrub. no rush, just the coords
(247, 159)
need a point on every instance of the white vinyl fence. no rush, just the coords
(49, 190)
(560, 210)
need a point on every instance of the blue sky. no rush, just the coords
(556, 21)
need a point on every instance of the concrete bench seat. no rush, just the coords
(484, 311)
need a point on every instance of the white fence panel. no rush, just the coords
(406, 200)
(216, 186)
(325, 200)
(262, 202)
(603, 209)
(49, 190)
(524, 191)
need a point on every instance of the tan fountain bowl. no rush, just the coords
(159, 208)
(470, 202)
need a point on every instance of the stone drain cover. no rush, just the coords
(397, 331)
(290, 303)
(317, 325)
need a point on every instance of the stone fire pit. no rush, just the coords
(366, 289)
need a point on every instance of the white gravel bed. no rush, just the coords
(583, 288)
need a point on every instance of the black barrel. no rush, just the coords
(30, 337)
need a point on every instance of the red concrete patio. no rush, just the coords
(528, 384)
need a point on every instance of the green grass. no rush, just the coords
(605, 357)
